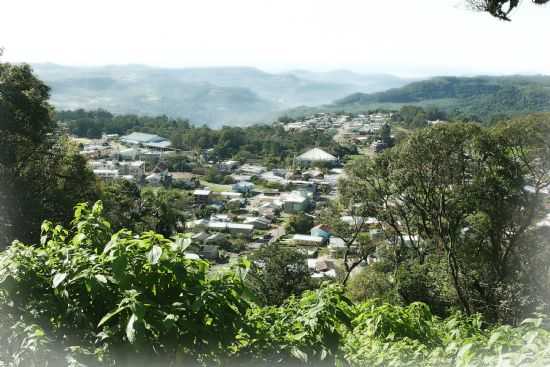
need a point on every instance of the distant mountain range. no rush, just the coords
(478, 97)
(215, 96)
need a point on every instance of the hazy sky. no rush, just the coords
(407, 37)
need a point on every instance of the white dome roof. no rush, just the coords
(316, 155)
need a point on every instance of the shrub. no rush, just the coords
(120, 295)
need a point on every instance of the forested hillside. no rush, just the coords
(477, 98)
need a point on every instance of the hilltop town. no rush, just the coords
(291, 183)
(254, 204)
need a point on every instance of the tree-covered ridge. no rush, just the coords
(87, 296)
(479, 98)
(92, 124)
(450, 87)
(267, 143)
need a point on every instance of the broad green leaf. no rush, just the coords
(119, 265)
(78, 277)
(45, 227)
(299, 336)
(130, 329)
(88, 285)
(533, 322)
(494, 338)
(181, 244)
(77, 240)
(465, 354)
(101, 278)
(58, 279)
(154, 255)
(112, 243)
(246, 263)
(186, 243)
(298, 354)
(323, 354)
(108, 316)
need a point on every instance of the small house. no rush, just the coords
(295, 202)
(209, 252)
(258, 222)
(220, 218)
(154, 179)
(240, 229)
(243, 187)
(252, 170)
(228, 166)
(129, 154)
(199, 237)
(321, 268)
(217, 226)
(336, 247)
(202, 196)
(305, 240)
(321, 230)
(228, 195)
(215, 239)
(198, 225)
(106, 174)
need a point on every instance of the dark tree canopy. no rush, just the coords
(500, 8)
(278, 272)
(42, 175)
(472, 196)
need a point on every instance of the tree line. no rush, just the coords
(269, 144)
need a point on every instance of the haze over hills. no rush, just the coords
(479, 97)
(366, 82)
(242, 95)
(215, 96)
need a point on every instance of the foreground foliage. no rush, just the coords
(469, 199)
(87, 296)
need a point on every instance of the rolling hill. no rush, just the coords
(478, 97)
(215, 96)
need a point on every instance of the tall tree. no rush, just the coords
(41, 175)
(354, 232)
(459, 192)
(277, 273)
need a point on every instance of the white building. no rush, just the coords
(154, 142)
(306, 240)
(316, 155)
